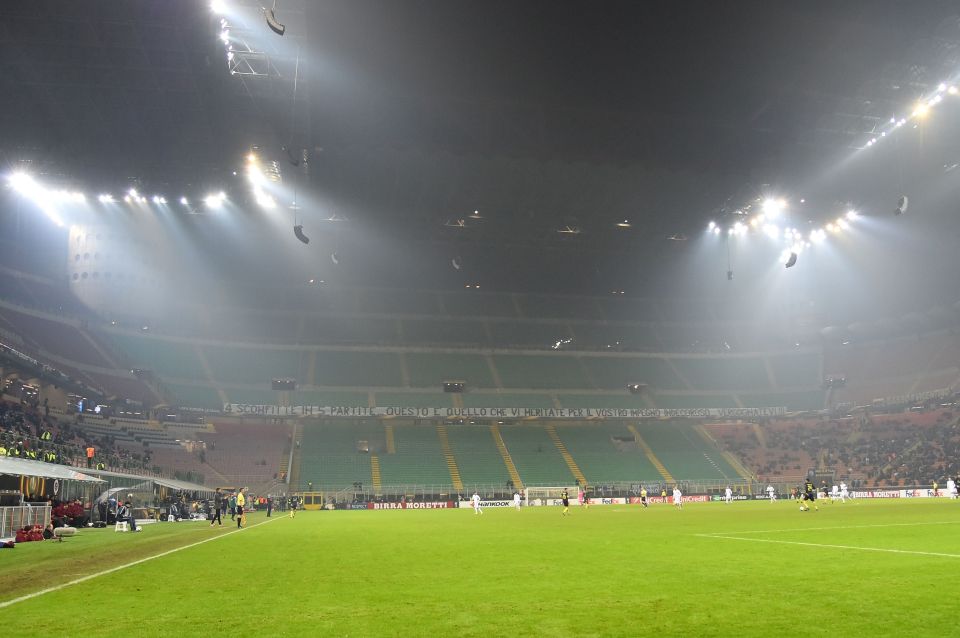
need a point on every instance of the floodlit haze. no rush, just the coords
(536, 146)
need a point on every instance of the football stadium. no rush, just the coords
(452, 318)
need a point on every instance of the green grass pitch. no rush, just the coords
(745, 569)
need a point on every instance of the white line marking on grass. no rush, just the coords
(83, 579)
(820, 529)
(863, 549)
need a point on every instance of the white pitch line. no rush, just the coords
(820, 529)
(83, 579)
(863, 549)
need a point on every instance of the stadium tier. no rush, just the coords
(417, 459)
(477, 456)
(429, 369)
(684, 452)
(727, 373)
(60, 338)
(608, 453)
(165, 357)
(242, 365)
(356, 368)
(527, 371)
(330, 456)
(537, 459)
(370, 360)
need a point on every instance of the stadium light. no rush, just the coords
(105, 198)
(22, 183)
(44, 199)
(773, 207)
(184, 201)
(218, 6)
(921, 110)
(215, 200)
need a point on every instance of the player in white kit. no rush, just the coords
(951, 488)
(476, 503)
(834, 493)
(728, 495)
(677, 497)
(516, 500)
(843, 492)
(771, 493)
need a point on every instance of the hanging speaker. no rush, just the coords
(456, 263)
(275, 26)
(902, 205)
(335, 258)
(791, 261)
(298, 231)
(294, 160)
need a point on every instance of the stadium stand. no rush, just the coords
(607, 453)
(418, 458)
(536, 457)
(163, 356)
(527, 371)
(430, 369)
(59, 338)
(684, 452)
(477, 456)
(330, 456)
(247, 453)
(354, 368)
(242, 365)
(728, 373)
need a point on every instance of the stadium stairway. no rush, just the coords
(650, 455)
(449, 457)
(733, 461)
(375, 473)
(505, 454)
(565, 453)
(285, 456)
(391, 442)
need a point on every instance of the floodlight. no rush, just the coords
(218, 6)
(852, 214)
(213, 201)
(773, 207)
(156, 199)
(271, 17)
(711, 225)
(298, 232)
(105, 198)
(922, 109)
(184, 201)
(952, 90)
(22, 183)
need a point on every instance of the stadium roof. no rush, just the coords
(23, 467)
(551, 146)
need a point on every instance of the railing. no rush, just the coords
(446, 491)
(14, 518)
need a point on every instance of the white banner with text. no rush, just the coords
(350, 411)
